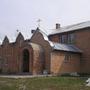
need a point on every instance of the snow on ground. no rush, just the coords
(88, 82)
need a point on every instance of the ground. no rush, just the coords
(43, 83)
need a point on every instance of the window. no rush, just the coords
(67, 58)
(67, 38)
(63, 39)
(71, 38)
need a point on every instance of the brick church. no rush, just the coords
(64, 50)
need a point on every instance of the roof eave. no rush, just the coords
(79, 52)
(72, 30)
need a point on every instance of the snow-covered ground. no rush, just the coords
(88, 82)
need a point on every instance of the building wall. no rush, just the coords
(60, 66)
(9, 58)
(82, 41)
(11, 55)
(54, 38)
(25, 46)
(39, 39)
(38, 62)
(65, 37)
(57, 60)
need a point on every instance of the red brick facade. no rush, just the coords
(81, 40)
(21, 56)
(59, 65)
(36, 55)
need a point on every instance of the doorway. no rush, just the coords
(25, 64)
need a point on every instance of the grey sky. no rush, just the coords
(23, 14)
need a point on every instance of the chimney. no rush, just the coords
(57, 26)
(32, 31)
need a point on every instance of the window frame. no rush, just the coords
(71, 38)
(67, 58)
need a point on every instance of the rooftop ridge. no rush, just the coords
(70, 28)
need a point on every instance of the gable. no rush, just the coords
(39, 36)
(19, 38)
(5, 41)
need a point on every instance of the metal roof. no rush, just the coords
(66, 47)
(13, 37)
(70, 28)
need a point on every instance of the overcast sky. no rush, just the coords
(23, 14)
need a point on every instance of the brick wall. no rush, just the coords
(55, 38)
(9, 58)
(83, 42)
(60, 66)
(39, 39)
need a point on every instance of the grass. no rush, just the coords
(44, 83)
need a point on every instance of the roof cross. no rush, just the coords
(39, 22)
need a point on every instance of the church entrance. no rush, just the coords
(25, 64)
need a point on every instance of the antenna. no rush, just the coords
(39, 22)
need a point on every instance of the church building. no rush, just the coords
(64, 50)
